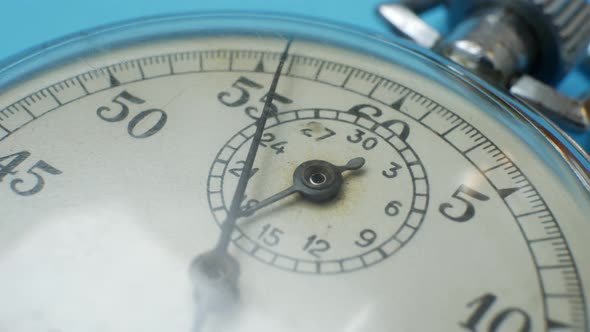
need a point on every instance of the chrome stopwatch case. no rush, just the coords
(231, 172)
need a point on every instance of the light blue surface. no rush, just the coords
(28, 23)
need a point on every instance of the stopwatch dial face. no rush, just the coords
(117, 169)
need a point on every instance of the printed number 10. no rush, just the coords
(517, 319)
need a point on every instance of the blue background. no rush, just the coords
(27, 23)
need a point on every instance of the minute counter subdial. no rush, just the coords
(328, 233)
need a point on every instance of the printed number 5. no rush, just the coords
(468, 210)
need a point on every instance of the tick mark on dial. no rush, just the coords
(259, 67)
(112, 80)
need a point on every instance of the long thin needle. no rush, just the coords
(215, 272)
(235, 210)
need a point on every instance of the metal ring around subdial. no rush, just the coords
(376, 212)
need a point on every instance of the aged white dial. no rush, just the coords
(117, 169)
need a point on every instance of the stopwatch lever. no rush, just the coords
(420, 6)
(410, 25)
(552, 103)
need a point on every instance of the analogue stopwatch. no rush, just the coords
(244, 172)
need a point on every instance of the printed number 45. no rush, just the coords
(9, 165)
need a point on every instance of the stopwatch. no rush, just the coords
(250, 172)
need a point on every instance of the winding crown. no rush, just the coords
(560, 28)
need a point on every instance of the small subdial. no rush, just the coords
(376, 210)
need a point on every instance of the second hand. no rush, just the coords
(215, 272)
(235, 210)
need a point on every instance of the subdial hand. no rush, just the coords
(215, 272)
(315, 180)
